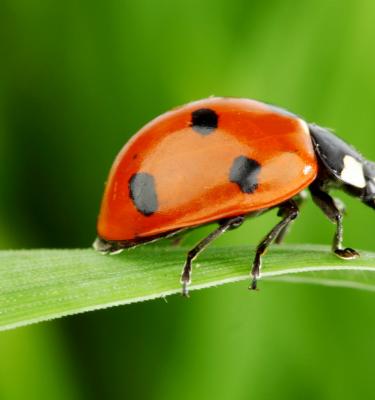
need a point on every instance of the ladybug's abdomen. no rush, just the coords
(208, 160)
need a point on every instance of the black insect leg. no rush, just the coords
(334, 212)
(289, 211)
(300, 199)
(225, 225)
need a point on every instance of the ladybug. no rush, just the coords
(224, 160)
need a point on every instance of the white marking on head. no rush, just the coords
(352, 173)
(307, 169)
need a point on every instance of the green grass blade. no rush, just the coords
(38, 285)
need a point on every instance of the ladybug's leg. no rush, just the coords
(225, 225)
(300, 199)
(107, 247)
(334, 211)
(289, 211)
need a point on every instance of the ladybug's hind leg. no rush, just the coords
(289, 212)
(334, 211)
(107, 247)
(225, 225)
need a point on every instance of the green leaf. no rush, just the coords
(38, 285)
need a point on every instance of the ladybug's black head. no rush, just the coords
(368, 194)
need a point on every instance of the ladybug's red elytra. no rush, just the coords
(224, 160)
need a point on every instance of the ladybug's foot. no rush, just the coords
(255, 273)
(254, 284)
(107, 247)
(346, 254)
(186, 278)
(185, 288)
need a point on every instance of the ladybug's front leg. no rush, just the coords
(289, 211)
(334, 211)
(225, 225)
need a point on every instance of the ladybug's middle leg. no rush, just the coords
(300, 199)
(289, 211)
(224, 226)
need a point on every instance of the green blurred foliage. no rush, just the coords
(78, 78)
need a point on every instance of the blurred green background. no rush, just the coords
(77, 78)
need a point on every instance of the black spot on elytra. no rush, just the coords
(244, 172)
(142, 192)
(204, 120)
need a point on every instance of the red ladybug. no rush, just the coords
(226, 159)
